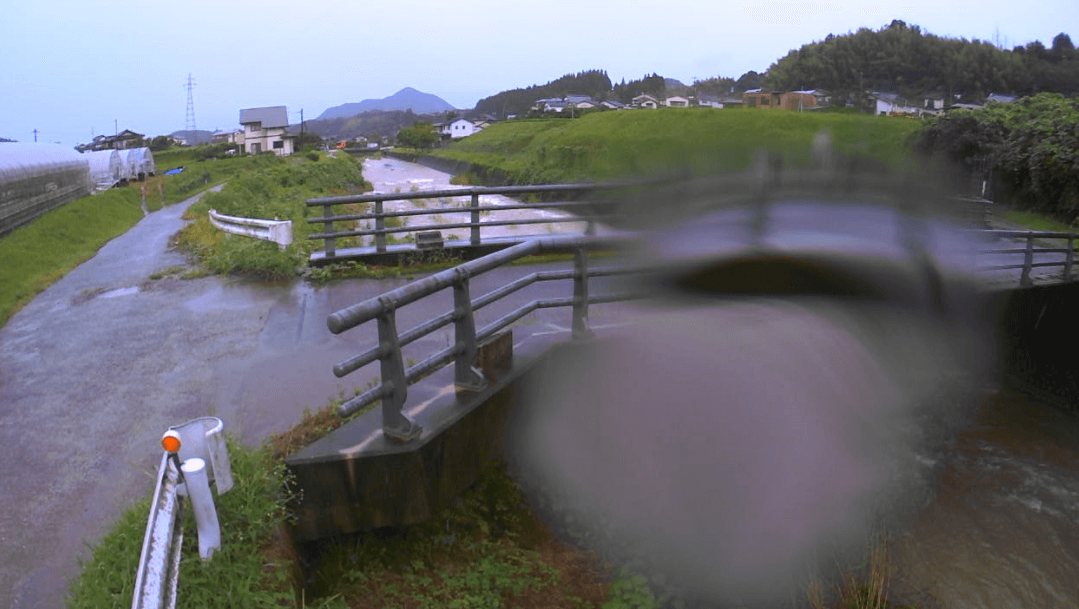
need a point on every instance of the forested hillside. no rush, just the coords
(904, 59)
(595, 83)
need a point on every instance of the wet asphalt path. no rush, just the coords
(100, 364)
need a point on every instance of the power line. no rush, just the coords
(189, 119)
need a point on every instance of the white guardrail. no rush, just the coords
(278, 231)
(195, 454)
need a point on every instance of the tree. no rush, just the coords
(1062, 48)
(308, 140)
(161, 142)
(419, 135)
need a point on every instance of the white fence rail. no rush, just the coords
(278, 231)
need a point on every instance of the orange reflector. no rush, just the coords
(171, 441)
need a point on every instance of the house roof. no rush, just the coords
(613, 103)
(576, 99)
(272, 116)
(997, 97)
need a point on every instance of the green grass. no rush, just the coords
(35, 256)
(277, 188)
(606, 145)
(1034, 221)
(240, 574)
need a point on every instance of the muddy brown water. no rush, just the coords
(1003, 527)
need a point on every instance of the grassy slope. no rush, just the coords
(612, 144)
(35, 256)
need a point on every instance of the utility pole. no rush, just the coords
(35, 135)
(301, 127)
(116, 126)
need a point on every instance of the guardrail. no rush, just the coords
(278, 231)
(195, 454)
(1030, 250)
(395, 378)
(330, 236)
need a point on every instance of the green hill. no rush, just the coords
(606, 145)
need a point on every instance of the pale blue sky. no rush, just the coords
(72, 67)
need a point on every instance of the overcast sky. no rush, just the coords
(71, 68)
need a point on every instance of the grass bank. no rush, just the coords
(278, 188)
(606, 145)
(488, 549)
(35, 256)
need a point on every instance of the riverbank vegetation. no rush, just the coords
(488, 549)
(607, 145)
(277, 189)
(35, 256)
(1029, 151)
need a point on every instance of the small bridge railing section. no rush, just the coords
(1033, 252)
(585, 211)
(395, 378)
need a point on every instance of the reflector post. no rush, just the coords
(171, 442)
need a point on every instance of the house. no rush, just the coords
(541, 104)
(121, 141)
(230, 137)
(676, 102)
(885, 104)
(265, 130)
(612, 104)
(645, 100)
(803, 100)
(758, 98)
(456, 129)
(581, 102)
(1002, 99)
(709, 101)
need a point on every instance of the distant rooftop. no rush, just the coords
(272, 116)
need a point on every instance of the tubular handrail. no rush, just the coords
(329, 236)
(395, 378)
(1029, 251)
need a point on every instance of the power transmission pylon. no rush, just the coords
(189, 120)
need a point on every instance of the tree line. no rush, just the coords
(904, 59)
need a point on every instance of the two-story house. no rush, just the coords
(265, 130)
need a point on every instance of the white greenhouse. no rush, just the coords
(138, 163)
(106, 169)
(35, 178)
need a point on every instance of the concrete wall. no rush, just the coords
(1039, 340)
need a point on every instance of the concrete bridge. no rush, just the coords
(448, 404)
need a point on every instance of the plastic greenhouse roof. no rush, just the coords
(20, 160)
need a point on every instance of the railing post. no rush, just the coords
(330, 244)
(465, 376)
(475, 218)
(580, 294)
(395, 425)
(380, 224)
(1028, 260)
(1069, 258)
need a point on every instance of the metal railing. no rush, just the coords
(395, 378)
(330, 236)
(1030, 250)
(196, 454)
(392, 388)
(278, 231)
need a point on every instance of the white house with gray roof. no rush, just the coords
(265, 130)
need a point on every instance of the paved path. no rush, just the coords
(96, 367)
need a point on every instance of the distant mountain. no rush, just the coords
(418, 101)
(195, 137)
